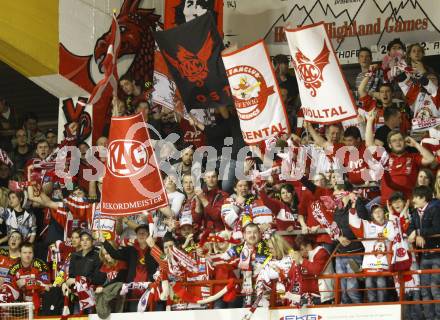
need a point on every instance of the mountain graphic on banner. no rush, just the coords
(300, 16)
(386, 14)
(296, 13)
(407, 10)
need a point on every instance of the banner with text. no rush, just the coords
(390, 312)
(385, 312)
(218, 314)
(255, 92)
(132, 182)
(351, 24)
(325, 96)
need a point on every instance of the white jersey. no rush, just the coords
(366, 229)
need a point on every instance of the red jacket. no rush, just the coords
(313, 266)
(212, 212)
(285, 217)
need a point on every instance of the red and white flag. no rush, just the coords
(255, 92)
(109, 64)
(324, 93)
(165, 92)
(132, 182)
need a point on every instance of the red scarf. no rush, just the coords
(84, 291)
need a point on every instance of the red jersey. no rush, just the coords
(35, 275)
(285, 216)
(192, 134)
(311, 202)
(400, 174)
(113, 271)
(141, 269)
(353, 161)
(6, 261)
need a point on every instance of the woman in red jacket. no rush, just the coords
(285, 210)
(312, 260)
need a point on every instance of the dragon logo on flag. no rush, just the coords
(193, 66)
(310, 71)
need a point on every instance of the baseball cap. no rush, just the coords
(186, 220)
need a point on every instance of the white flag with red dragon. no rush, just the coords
(325, 95)
(256, 95)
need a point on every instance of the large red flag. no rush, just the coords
(132, 182)
(109, 64)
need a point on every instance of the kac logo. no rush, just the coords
(310, 71)
(127, 158)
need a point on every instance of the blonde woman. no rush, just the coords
(275, 268)
(437, 185)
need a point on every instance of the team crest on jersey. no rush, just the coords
(250, 91)
(310, 71)
(378, 248)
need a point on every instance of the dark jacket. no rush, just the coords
(87, 266)
(429, 224)
(341, 218)
(130, 255)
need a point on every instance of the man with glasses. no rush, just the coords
(401, 166)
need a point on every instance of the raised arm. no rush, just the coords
(356, 223)
(42, 199)
(362, 89)
(369, 135)
(427, 156)
(317, 138)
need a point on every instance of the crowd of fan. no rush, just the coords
(271, 234)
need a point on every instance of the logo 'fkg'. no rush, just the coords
(127, 158)
(310, 71)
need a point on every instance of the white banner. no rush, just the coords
(75, 109)
(385, 312)
(217, 314)
(325, 96)
(351, 23)
(255, 92)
